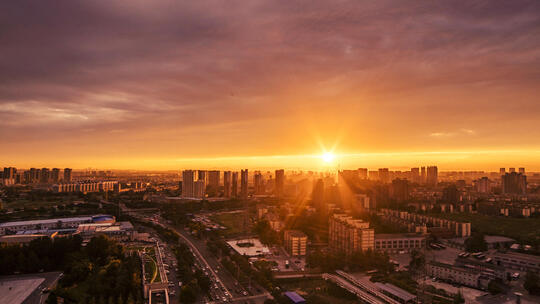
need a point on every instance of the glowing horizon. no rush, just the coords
(168, 85)
(487, 160)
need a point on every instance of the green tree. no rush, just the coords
(458, 298)
(187, 294)
(476, 243)
(494, 287)
(532, 283)
(418, 261)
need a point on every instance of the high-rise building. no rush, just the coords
(400, 189)
(373, 175)
(234, 188)
(258, 183)
(9, 173)
(214, 179)
(348, 235)
(422, 174)
(199, 189)
(415, 175)
(55, 175)
(432, 175)
(188, 179)
(384, 175)
(45, 175)
(317, 195)
(280, 182)
(227, 183)
(34, 178)
(511, 170)
(67, 175)
(348, 178)
(521, 170)
(482, 185)
(502, 171)
(451, 194)
(244, 183)
(27, 177)
(295, 242)
(362, 173)
(514, 183)
(201, 175)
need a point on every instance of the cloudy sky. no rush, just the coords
(169, 84)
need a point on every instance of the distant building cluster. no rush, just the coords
(88, 186)
(423, 175)
(10, 176)
(198, 184)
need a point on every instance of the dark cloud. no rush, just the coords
(67, 67)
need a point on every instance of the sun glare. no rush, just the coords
(328, 157)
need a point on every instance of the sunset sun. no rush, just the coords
(328, 157)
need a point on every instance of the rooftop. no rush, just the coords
(296, 233)
(396, 291)
(16, 291)
(497, 239)
(46, 221)
(516, 255)
(256, 249)
(296, 298)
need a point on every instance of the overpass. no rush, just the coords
(343, 283)
(155, 287)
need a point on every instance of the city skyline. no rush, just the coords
(175, 85)
(446, 161)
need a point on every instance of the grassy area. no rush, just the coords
(150, 265)
(233, 221)
(522, 229)
(21, 204)
(315, 291)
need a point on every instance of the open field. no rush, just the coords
(522, 229)
(233, 221)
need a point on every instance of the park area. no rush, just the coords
(151, 272)
(234, 222)
(526, 230)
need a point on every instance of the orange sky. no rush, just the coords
(259, 84)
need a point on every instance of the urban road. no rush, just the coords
(229, 290)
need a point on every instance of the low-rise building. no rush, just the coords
(72, 222)
(520, 261)
(53, 224)
(453, 273)
(121, 231)
(395, 243)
